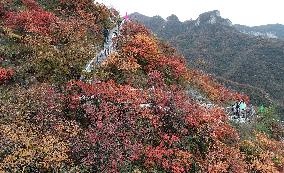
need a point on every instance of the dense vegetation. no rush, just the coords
(250, 64)
(136, 117)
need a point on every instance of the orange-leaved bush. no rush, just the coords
(263, 154)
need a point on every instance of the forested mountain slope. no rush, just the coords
(214, 45)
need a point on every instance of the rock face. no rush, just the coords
(212, 17)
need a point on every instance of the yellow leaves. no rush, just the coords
(32, 129)
(56, 64)
(183, 155)
(33, 148)
(148, 47)
(264, 154)
(264, 163)
(129, 65)
(10, 33)
(121, 63)
(136, 171)
(263, 140)
(37, 41)
(218, 167)
(147, 41)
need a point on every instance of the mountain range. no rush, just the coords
(249, 59)
(270, 30)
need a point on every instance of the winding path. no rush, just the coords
(108, 48)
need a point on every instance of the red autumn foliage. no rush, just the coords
(131, 29)
(32, 21)
(6, 74)
(125, 124)
(176, 66)
(114, 126)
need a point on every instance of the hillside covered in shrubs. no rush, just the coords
(246, 62)
(136, 115)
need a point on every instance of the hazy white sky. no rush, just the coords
(247, 12)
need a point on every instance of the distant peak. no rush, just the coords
(172, 18)
(212, 17)
(137, 14)
(214, 13)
